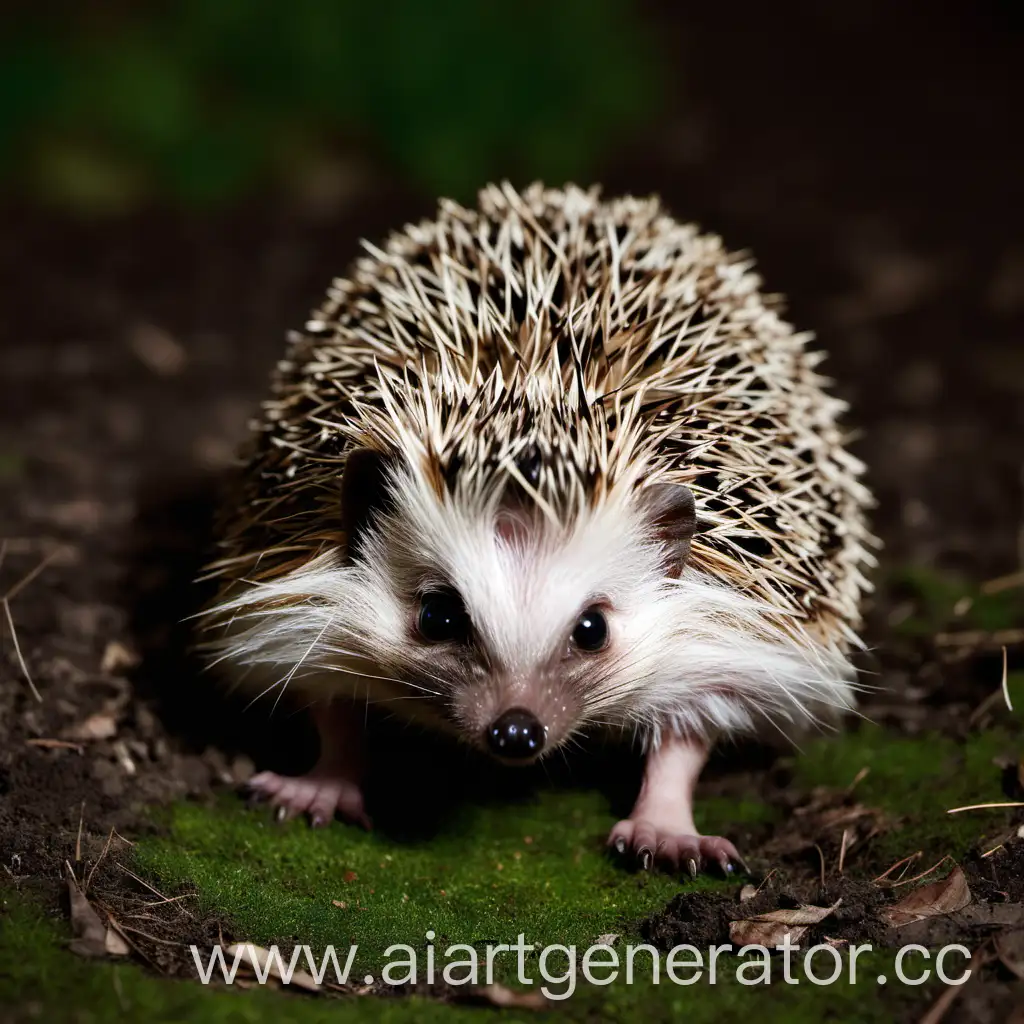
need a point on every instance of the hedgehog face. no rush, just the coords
(513, 628)
(514, 631)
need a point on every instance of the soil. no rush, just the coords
(877, 181)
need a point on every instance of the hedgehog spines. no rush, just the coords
(595, 342)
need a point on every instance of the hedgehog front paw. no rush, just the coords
(649, 845)
(319, 796)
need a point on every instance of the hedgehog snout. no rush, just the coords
(516, 735)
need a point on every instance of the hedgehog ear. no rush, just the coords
(365, 492)
(672, 513)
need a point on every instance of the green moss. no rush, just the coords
(494, 870)
(39, 980)
(916, 781)
(938, 600)
(536, 866)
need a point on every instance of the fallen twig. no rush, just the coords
(985, 706)
(78, 841)
(32, 574)
(821, 861)
(99, 859)
(923, 874)
(153, 890)
(54, 744)
(982, 807)
(899, 863)
(1006, 681)
(17, 650)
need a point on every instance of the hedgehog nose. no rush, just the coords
(517, 734)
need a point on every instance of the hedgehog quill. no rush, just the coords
(550, 465)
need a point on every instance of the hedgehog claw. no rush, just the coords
(318, 795)
(658, 847)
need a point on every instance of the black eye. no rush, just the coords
(443, 617)
(591, 630)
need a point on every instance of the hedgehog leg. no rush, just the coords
(334, 785)
(660, 828)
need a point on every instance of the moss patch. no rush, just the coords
(40, 980)
(917, 780)
(934, 601)
(537, 867)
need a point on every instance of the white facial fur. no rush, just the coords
(686, 654)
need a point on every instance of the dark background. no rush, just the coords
(180, 181)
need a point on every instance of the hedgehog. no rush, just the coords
(549, 466)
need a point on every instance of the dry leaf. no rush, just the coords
(299, 978)
(92, 936)
(100, 726)
(607, 940)
(770, 929)
(1010, 950)
(945, 896)
(502, 995)
(114, 943)
(90, 932)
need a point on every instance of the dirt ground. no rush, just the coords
(877, 180)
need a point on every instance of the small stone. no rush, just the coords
(100, 726)
(117, 657)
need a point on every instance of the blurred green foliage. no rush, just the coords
(202, 101)
(936, 601)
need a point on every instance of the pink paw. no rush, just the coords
(650, 845)
(318, 796)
